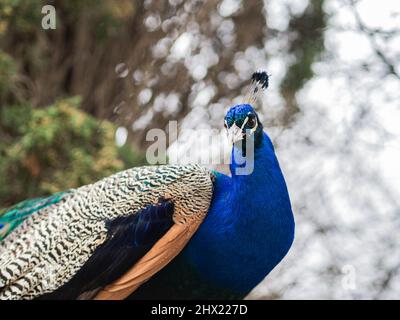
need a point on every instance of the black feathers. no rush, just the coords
(259, 82)
(261, 77)
(129, 238)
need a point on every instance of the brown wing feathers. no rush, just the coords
(167, 248)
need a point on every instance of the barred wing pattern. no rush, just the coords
(50, 247)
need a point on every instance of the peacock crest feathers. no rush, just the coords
(259, 82)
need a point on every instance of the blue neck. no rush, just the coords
(249, 227)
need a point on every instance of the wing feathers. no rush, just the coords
(167, 248)
(129, 238)
(92, 234)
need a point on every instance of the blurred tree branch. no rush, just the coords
(371, 33)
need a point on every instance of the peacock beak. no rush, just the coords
(235, 134)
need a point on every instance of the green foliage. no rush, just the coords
(84, 32)
(43, 151)
(23, 18)
(52, 149)
(20, 14)
(131, 157)
(7, 73)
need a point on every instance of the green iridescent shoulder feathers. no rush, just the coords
(13, 216)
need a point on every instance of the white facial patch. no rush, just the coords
(236, 133)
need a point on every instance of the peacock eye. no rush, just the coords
(252, 121)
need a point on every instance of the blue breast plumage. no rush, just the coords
(248, 230)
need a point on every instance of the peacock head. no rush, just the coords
(242, 121)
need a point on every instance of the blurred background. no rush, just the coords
(76, 103)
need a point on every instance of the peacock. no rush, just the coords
(157, 232)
